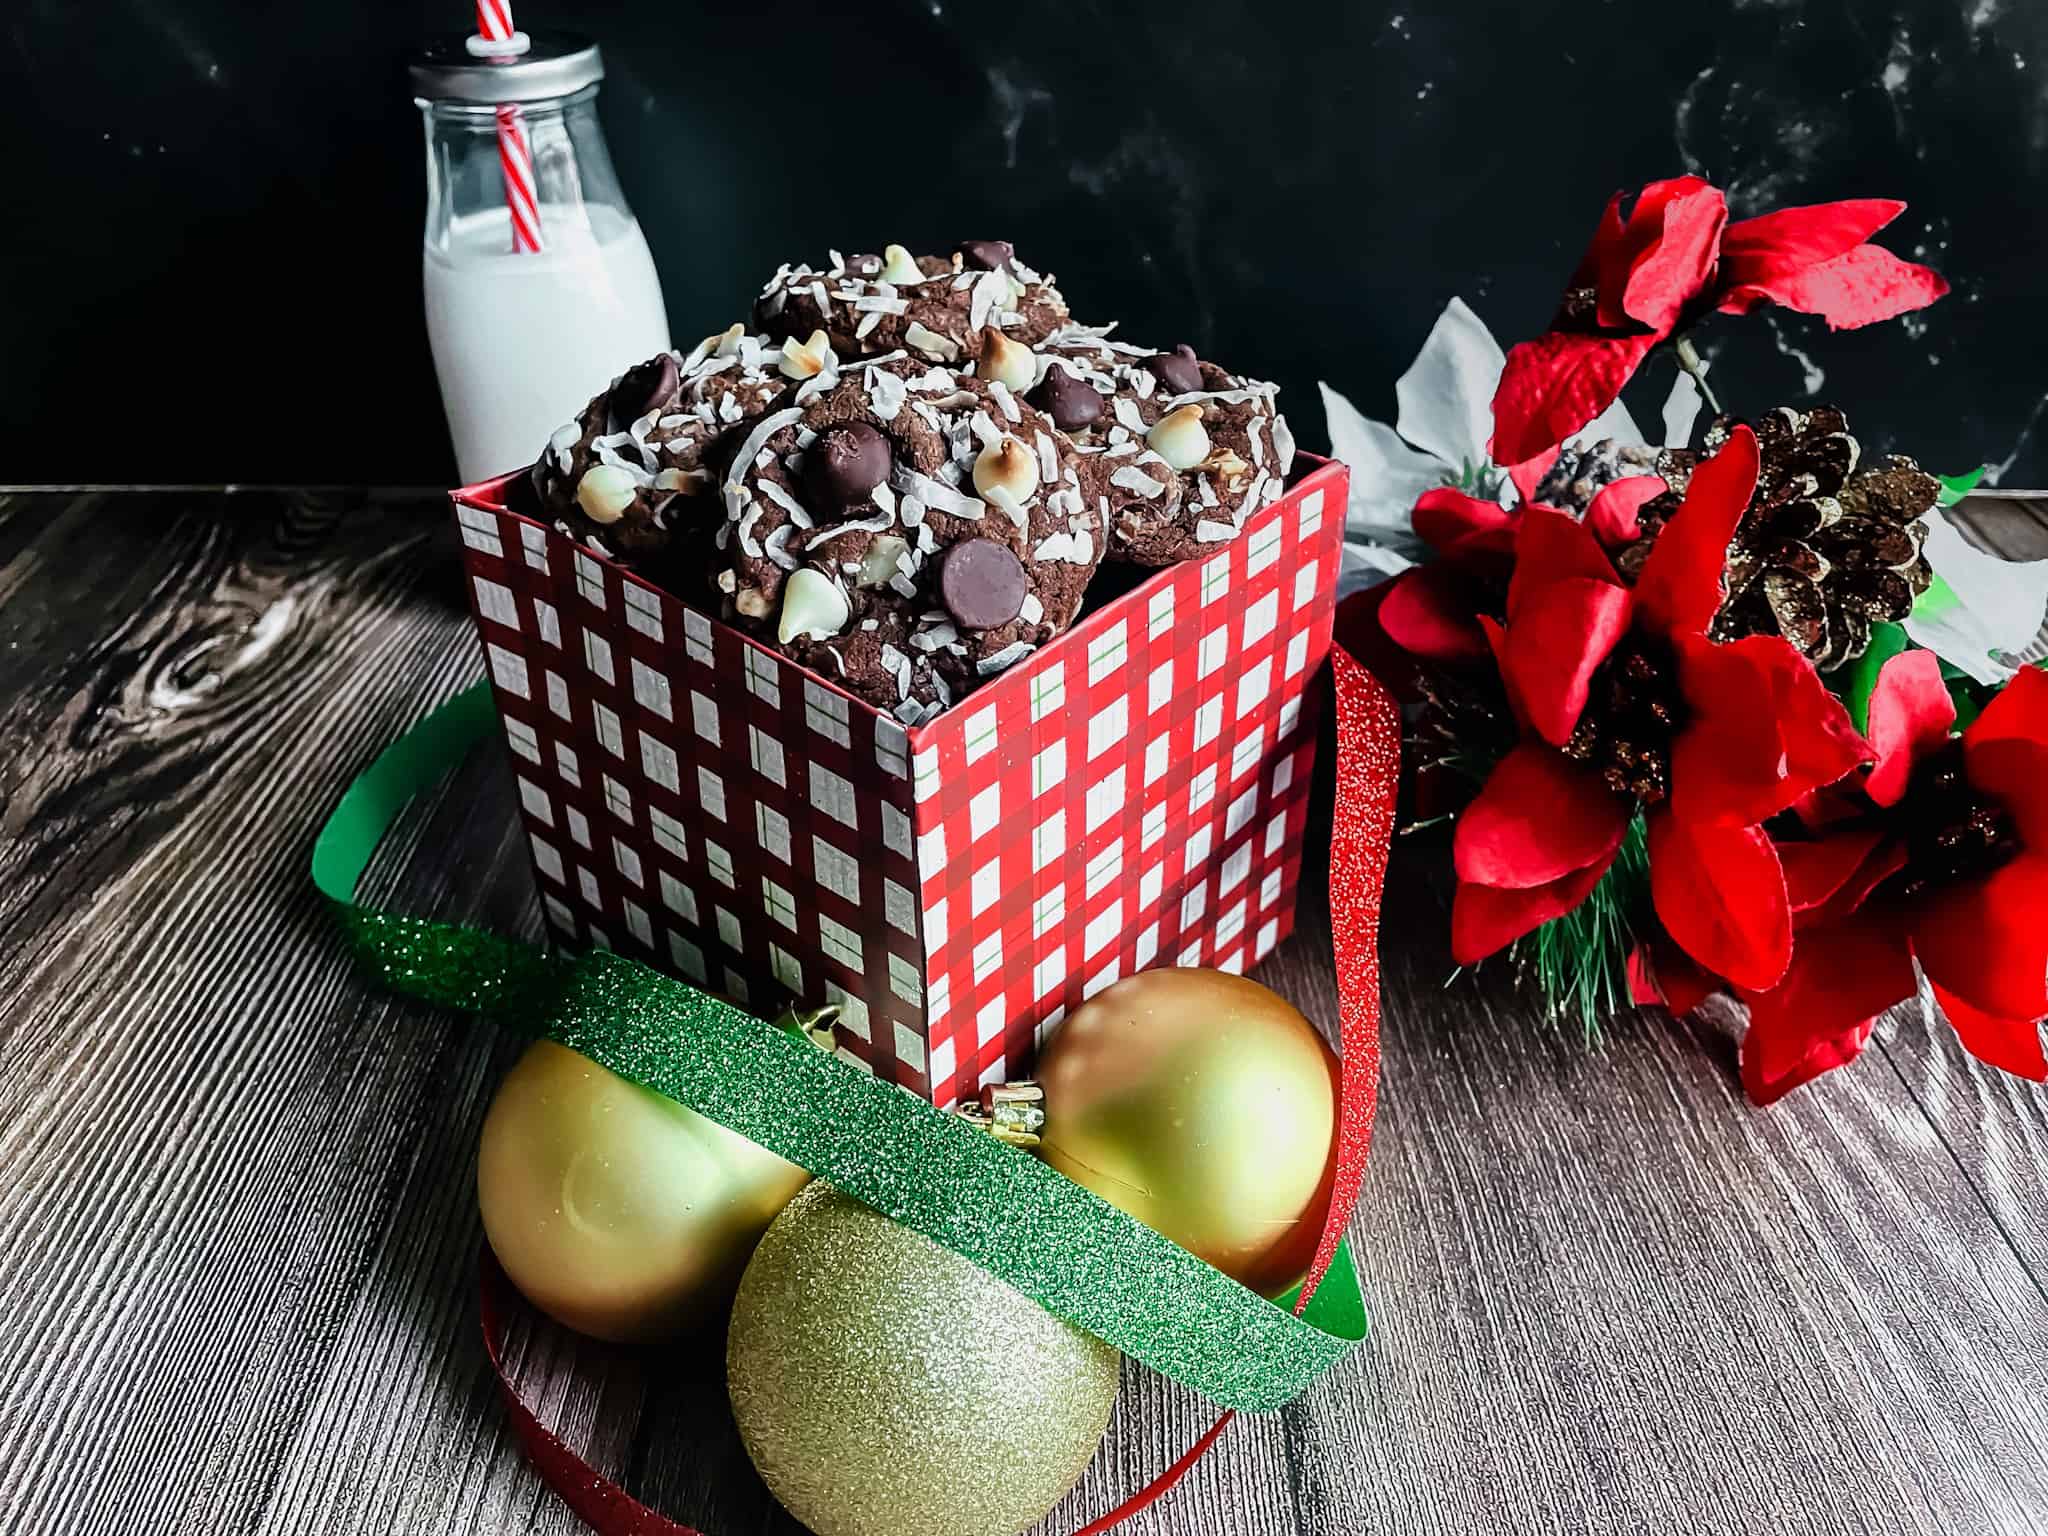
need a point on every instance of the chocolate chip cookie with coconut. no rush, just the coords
(942, 309)
(911, 532)
(639, 466)
(1178, 451)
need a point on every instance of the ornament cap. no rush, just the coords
(1010, 1112)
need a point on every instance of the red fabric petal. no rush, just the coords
(1677, 262)
(2005, 753)
(1680, 588)
(2011, 1045)
(1604, 249)
(1910, 715)
(1769, 1070)
(1553, 646)
(1528, 474)
(1553, 547)
(1431, 611)
(1446, 518)
(1640, 239)
(1357, 629)
(1778, 244)
(1987, 940)
(1662, 974)
(1859, 287)
(1720, 893)
(1885, 860)
(1486, 918)
(1764, 731)
(1816, 871)
(1554, 385)
(1538, 817)
(2017, 712)
(1497, 642)
(1819, 1017)
(1612, 520)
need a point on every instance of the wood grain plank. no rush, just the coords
(236, 1187)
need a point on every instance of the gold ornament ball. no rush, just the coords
(1205, 1105)
(885, 1386)
(618, 1212)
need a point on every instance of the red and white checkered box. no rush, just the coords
(1133, 794)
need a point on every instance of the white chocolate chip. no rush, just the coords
(1180, 438)
(880, 562)
(806, 360)
(812, 604)
(1006, 465)
(753, 603)
(1009, 363)
(899, 266)
(604, 493)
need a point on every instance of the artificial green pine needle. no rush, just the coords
(1579, 961)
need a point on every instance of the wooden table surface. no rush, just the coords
(238, 1230)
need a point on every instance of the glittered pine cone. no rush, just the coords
(1829, 546)
(1581, 473)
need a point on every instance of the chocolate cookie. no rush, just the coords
(943, 309)
(641, 461)
(1179, 452)
(909, 532)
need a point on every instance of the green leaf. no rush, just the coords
(1963, 691)
(1854, 682)
(1955, 487)
(1938, 599)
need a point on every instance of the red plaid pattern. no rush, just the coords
(1132, 795)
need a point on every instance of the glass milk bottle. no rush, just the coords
(526, 324)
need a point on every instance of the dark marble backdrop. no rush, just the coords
(210, 265)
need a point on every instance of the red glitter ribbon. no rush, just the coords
(1368, 772)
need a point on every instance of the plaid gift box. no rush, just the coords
(1132, 794)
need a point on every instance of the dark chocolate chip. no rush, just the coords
(1071, 403)
(846, 463)
(641, 388)
(1179, 370)
(864, 264)
(982, 584)
(986, 255)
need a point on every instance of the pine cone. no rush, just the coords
(1828, 546)
(1633, 710)
(1580, 474)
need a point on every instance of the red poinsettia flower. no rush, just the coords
(1951, 869)
(1673, 259)
(1625, 705)
(1432, 610)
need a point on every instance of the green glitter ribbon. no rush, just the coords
(1060, 1244)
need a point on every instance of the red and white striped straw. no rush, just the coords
(515, 151)
(515, 155)
(494, 20)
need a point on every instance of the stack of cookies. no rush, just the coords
(908, 473)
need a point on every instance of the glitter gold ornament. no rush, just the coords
(886, 1386)
(614, 1210)
(1205, 1105)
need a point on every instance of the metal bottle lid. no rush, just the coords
(554, 64)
